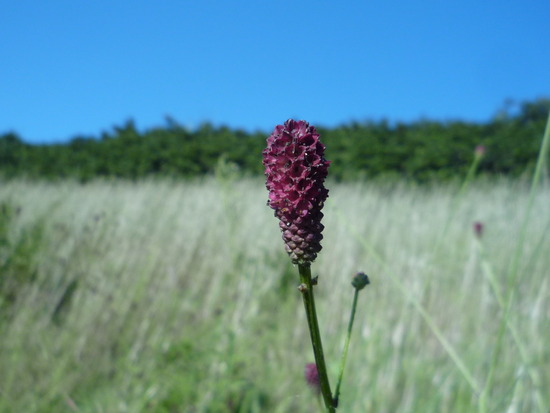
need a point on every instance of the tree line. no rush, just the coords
(420, 150)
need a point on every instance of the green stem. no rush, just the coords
(455, 202)
(514, 276)
(346, 347)
(416, 304)
(470, 175)
(531, 371)
(311, 313)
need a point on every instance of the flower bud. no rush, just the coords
(360, 281)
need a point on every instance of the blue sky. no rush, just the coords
(81, 67)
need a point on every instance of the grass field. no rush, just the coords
(166, 296)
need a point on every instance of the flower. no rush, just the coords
(478, 229)
(296, 169)
(312, 377)
(480, 151)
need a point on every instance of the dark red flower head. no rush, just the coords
(478, 229)
(296, 169)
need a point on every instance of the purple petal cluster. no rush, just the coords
(296, 169)
(312, 377)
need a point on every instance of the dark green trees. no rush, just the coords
(422, 150)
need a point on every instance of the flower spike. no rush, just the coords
(296, 169)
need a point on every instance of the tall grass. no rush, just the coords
(166, 296)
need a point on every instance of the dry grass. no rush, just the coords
(168, 296)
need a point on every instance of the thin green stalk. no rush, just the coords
(306, 289)
(514, 270)
(455, 202)
(459, 363)
(478, 156)
(493, 283)
(346, 347)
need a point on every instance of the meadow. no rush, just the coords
(177, 296)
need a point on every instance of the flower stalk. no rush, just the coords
(306, 288)
(360, 281)
(295, 170)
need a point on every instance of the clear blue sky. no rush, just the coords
(81, 67)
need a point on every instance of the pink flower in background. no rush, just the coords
(480, 151)
(478, 229)
(296, 169)
(312, 377)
